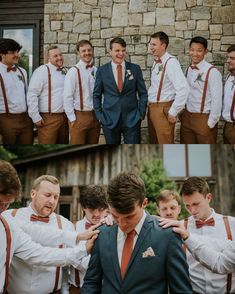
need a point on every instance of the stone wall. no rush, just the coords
(67, 21)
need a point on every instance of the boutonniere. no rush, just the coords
(129, 75)
(199, 78)
(160, 68)
(20, 78)
(64, 71)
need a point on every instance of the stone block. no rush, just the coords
(96, 12)
(80, 7)
(98, 42)
(73, 38)
(204, 34)
(65, 7)
(50, 37)
(169, 30)
(179, 34)
(51, 8)
(180, 4)
(188, 34)
(165, 16)
(202, 25)
(191, 24)
(111, 32)
(67, 16)
(46, 23)
(106, 12)
(166, 3)
(223, 15)
(149, 30)
(215, 29)
(176, 46)
(141, 49)
(131, 31)
(191, 3)
(63, 37)
(140, 60)
(228, 40)
(91, 2)
(67, 26)
(181, 25)
(95, 24)
(55, 25)
(105, 23)
(95, 34)
(82, 23)
(103, 3)
(135, 19)
(138, 6)
(70, 59)
(212, 2)
(228, 29)
(99, 51)
(119, 15)
(182, 15)
(104, 60)
(200, 13)
(215, 37)
(216, 45)
(64, 48)
(149, 18)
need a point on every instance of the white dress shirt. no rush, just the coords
(24, 248)
(26, 278)
(221, 261)
(15, 90)
(37, 97)
(213, 99)
(114, 69)
(174, 86)
(229, 89)
(121, 237)
(71, 95)
(203, 280)
(83, 266)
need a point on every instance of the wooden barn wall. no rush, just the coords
(24, 12)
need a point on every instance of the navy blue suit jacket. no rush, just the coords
(109, 103)
(151, 275)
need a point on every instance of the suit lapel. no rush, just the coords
(127, 66)
(113, 243)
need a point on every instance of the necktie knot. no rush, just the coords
(89, 65)
(87, 225)
(158, 61)
(11, 68)
(194, 67)
(37, 218)
(209, 222)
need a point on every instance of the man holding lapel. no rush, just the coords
(118, 83)
(135, 255)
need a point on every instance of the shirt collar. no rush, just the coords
(82, 63)
(201, 64)
(114, 65)
(138, 227)
(164, 57)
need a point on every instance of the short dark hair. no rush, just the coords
(9, 45)
(199, 40)
(231, 48)
(194, 184)
(163, 37)
(93, 197)
(124, 191)
(9, 180)
(117, 40)
(82, 43)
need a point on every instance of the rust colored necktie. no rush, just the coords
(11, 68)
(127, 251)
(209, 222)
(37, 218)
(87, 225)
(119, 77)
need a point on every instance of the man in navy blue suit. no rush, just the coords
(135, 255)
(115, 96)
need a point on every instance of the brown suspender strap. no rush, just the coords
(80, 88)
(14, 211)
(4, 94)
(205, 89)
(161, 80)
(57, 275)
(229, 235)
(186, 226)
(24, 81)
(8, 250)
(49, 89)
(232, 108)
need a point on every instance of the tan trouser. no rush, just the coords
(195, 130)
(229, 133)
(74, 290)
(55, 129)
(86, 129)
(164, 130)
(151, 131)
(16, 128)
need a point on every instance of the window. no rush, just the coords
(187, 160)
(28, 37)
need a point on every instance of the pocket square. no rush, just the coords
(148, 252)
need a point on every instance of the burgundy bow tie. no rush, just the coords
(37, 218)
(194, 67)
(232, 73)
(89, 65)
(158, 60)
(210, 222)
(13, 68)
(60, 68)
(87, 225)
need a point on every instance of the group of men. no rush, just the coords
(132, 254)
(72, 105)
